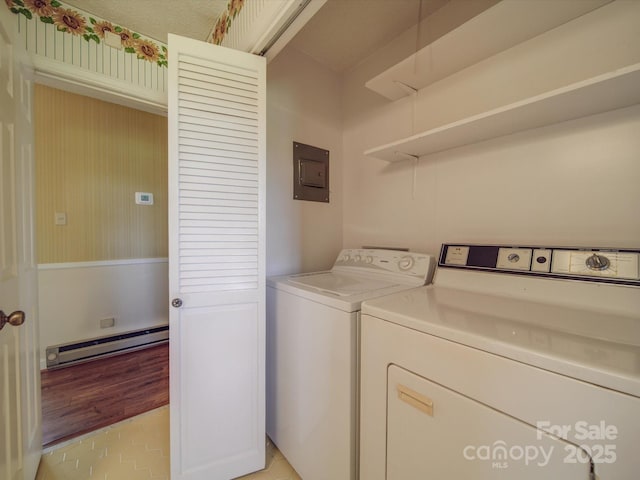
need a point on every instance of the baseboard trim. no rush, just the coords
(68, 354)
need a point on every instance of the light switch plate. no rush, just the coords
(60, 218)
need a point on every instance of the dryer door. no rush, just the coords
(434, 432)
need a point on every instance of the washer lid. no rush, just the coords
(343, 285)
(335, 289)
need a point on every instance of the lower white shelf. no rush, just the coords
(609, 91)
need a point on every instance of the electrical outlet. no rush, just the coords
(107, 322)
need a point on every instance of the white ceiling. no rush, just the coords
(344, 32)
(341, 34)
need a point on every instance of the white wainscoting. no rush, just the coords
(45, 40)
(74, 297)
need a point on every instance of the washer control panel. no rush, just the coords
(392, 262)
(609, 265)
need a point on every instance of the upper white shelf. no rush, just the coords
(498, 28)
(617, 89)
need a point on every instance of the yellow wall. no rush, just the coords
(91, 158)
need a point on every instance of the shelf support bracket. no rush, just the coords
(415, 158)
(406, 156)
(408, 89)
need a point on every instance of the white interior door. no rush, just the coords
(20, 415)
(216, 260)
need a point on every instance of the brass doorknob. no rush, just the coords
(16, 318)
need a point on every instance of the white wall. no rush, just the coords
(574, 183)
(303, 105)
(73, 298)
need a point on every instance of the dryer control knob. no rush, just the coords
(597, 262)
(514, 258)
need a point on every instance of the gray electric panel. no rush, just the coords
(310, 173)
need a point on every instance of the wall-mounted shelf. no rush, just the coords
(610, 91)
(497, 29)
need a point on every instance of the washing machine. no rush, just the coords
(517, 362)
(312, 355)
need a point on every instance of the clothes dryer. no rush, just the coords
(517, 362)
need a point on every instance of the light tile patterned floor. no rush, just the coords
(277, 468)
(134, 449)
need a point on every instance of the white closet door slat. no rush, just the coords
(222, 210)
(216, 126)
(219, 152)
(211, 252)
(247, 261)
(220, 220)
(187, 196)
(217, 267)
(241, 94)
(230, 111)
(190, 290)
(220, 188)
(250, 178)
(221, 98)
(211, 72)
(200, 240)
(230, 164)
(238, 138)
(223, 167)
(243, 203)
(219, 144)
(196, 114)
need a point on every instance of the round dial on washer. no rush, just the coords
(358, 258)
(369, 259)
(405, 263)
(597, 262)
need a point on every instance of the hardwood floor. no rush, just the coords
(88, 396)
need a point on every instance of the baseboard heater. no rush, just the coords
(72, 353)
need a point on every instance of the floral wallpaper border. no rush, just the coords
(224, 21)
(73, 22)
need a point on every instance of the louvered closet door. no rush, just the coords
(216, 260)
